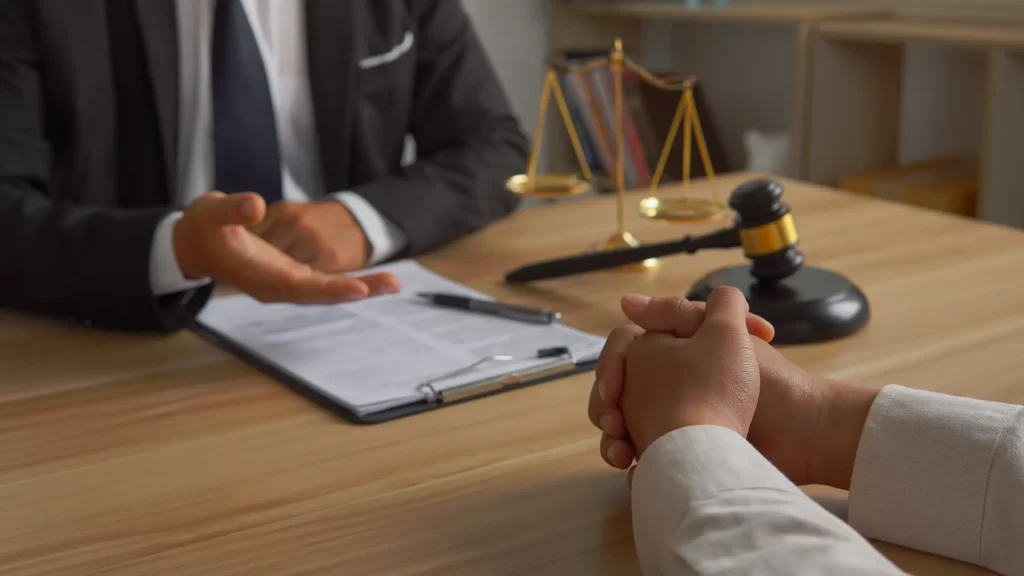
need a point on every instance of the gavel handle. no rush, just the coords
(591, 262)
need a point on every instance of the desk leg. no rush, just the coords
(854, 119)
(1002, 167)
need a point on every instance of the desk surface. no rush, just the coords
(781, 12)
(160, 455)
(968, 34)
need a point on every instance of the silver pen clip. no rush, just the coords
(432, 394)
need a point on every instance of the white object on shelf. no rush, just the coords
(767, 153)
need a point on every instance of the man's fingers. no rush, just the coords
(681, 317)
(673, 314)
(305, 251)
(760, 328)
(611, 365)
(268, 274)
(280, 235)
(242, 209)
(595, 406)
(324, 288)
(617, 453)
(312, 288)
(612, 423)
(726, 309)
(381, 283)
(264, 225)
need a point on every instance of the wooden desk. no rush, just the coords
(163, 455)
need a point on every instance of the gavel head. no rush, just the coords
(767, 234)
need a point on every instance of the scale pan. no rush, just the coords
(548, 185)
(682, 209)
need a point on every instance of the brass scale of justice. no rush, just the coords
(805, 304)
(682, 209)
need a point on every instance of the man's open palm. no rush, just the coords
(212, 240)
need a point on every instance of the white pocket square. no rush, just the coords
(391, 55)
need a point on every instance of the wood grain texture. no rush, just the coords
(1008, 34)
(162, 455)
(777, 12)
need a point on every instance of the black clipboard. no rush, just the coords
(303, 388)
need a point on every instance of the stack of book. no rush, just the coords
(647, 117)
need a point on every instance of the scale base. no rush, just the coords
(813, 305)
(627, 240)
(682, 209)
(550, 186)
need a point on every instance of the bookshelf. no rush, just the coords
(652, 114)
(857, 81)
(843, 77)
(594, 25)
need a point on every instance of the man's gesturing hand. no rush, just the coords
(212, 240)
(324, 235)
(710, 379)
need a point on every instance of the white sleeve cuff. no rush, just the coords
(165, 275)
(385, 238)
(921, 478)
(706, 502)
(689, 465)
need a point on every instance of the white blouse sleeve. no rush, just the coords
(944, 475)
(706, 502)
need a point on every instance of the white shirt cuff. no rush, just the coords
(921, 478)
(706, 502)
(385, 238)
(689, 465)
(165, 275)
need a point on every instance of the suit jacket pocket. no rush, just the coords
(391, 55)
(389, 70)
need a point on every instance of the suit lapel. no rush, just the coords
(332, 38)
(158, 23)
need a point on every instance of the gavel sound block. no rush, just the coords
(805, 304)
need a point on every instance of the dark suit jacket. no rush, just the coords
(88, 141)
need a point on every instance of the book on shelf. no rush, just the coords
(647, 114)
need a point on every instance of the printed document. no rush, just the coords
(377, 354)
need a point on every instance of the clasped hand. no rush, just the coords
(682, 363)
(290, 252)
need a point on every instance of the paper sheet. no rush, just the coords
(376, 354)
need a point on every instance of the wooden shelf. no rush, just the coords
(898, 31)
(735, 12)
(855, 115)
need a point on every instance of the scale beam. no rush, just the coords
(555, 186)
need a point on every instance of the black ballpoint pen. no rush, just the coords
(500, 309)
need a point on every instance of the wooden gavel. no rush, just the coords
(763, 228)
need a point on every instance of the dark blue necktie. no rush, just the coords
(247, 157)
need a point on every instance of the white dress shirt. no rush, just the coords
(280, 30)
(937, 473)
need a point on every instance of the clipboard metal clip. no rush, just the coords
(455, 393)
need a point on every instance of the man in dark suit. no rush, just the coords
(115, 112)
